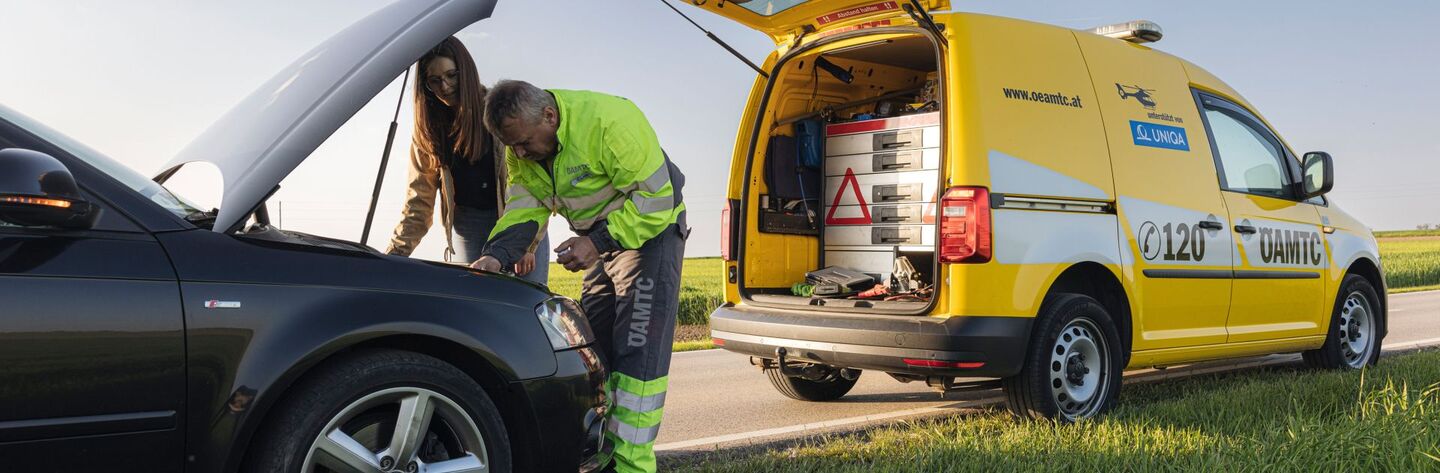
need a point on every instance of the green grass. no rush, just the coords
(1411, 263)
(1406, 233)
(1385, 419)
(693, 345)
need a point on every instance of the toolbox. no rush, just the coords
(879, 191)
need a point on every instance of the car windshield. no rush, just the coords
(146, 187)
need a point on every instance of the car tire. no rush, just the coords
(1073, 364)
(1353, 338)
(829, 389)
(363, 396)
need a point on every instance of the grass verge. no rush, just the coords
(1278, 419)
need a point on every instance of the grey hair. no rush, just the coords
(515, 99)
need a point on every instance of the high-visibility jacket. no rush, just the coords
(609, 179)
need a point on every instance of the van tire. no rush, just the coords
(1356, 321)
(800, 389)
(1074, 328)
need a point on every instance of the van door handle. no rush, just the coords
(1247, 229)
(1211, 225)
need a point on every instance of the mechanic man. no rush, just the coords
(594, 159)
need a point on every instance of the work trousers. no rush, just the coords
(632, 298)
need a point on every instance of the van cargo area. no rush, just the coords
(850, 150)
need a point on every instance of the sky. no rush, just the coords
(139, 79)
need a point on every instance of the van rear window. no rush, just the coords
(769, 7)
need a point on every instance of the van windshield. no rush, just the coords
(769, 7)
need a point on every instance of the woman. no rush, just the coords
(452, 152)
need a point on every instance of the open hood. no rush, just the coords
(782, 20)
(260, 141)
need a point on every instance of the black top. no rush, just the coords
(474, 182)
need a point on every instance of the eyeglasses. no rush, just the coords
(451, 78)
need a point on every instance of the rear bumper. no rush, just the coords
(880, 343)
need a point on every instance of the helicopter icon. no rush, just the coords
(1141, 95)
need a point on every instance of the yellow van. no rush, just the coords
(955, 198)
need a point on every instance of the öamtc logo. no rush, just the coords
(1159, 136)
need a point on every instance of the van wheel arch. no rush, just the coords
(1367, 269)
(469, 362)
(1095, 280)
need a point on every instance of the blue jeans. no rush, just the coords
(472, 229)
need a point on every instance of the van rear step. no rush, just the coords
(909, 307)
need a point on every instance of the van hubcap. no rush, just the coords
(1357, 330)
(1078, 368)
(399, 430)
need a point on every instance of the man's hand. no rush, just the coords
(525, 265)
(577, 253)
(487, 263)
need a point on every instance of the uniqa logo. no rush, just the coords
(1169, 137)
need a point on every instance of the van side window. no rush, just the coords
(1250, 158)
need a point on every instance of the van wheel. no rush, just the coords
(392, 411)
(830, 388)
(1353, 341)
(1073, 364)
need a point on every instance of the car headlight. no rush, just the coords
(564, 323)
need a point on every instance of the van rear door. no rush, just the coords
(783, 20)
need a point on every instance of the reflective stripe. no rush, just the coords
(586, 223)
(525, 202)
(631, 434)
(639, 403)
(590, 201)
(652, 204)
(657, 180)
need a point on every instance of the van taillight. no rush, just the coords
(965, 225)
(729, 224)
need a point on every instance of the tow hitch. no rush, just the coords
(803, 370)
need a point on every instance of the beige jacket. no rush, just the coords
(427, 176)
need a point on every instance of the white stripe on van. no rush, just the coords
(1012, 175)
(1029, 237)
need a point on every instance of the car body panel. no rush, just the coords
(281, 308)
(93, 349)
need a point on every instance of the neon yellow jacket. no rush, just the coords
(611, 180)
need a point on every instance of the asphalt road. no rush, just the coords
(717, 397)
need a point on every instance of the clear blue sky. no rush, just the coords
(139, 79)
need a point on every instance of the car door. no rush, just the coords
(92, 355)
(1172, 217)
(1280, 254)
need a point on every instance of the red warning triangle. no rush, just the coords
(864, 206)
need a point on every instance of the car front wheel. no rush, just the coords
(388, 411)
(1353, 339)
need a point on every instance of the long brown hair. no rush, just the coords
(460, 127)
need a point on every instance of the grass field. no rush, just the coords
(1411, 262)
(1411, 259)
(1407, 233)
(1281, 419)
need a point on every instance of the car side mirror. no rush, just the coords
(1319, 175)
(37, 190)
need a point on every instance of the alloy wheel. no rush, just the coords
(399, 430)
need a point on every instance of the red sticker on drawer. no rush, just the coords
(857, 11)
